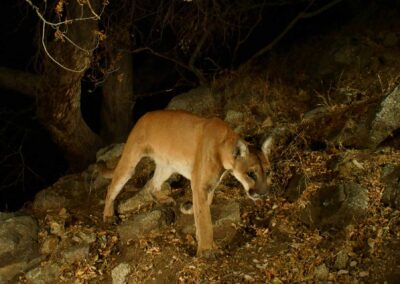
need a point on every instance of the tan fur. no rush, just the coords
(199, 149)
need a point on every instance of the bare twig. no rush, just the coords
(55, 60)
(322, 9)
(195, 71)
(56, 25)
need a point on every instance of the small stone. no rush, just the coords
(46, 273)
(342, 272)
(248, 279)
(141, 199)
(76, 253)
(322, 272)
(261, 266)
(49, 245)
(141, 225)
(234, 117)
(341, 259)
(353, 263)
(57, 228)
(267, 122)
(363, 274)
(63, 213)
(120, 272)
(86, 236)
(276, 280)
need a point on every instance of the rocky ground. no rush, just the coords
(332, 224)
(334, 214)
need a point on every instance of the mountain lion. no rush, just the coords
(200, 149)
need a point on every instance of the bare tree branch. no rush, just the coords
(302, 15)
(192, 69)
(322, 9)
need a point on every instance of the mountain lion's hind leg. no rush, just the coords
(157, 182)
(122, 173)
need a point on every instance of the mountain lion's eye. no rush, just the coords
(252, 175)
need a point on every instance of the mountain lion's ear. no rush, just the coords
(241, 149)
(267, 146)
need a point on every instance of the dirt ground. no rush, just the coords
(272, 244)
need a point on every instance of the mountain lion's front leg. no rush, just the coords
(202, 220)
(203, 182)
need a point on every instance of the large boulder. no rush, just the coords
(143, 224)
(61, 194)
(387, 119)
(224, 216)
(336, 205)
(201, 101)
(18, 244)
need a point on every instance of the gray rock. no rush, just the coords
(391, 193)
(141, 199)
(49, 245)
(390, 39)
(61, 194)
(229, 213)
(120, 272)
(100, 173)
(109, 153)
(223, 217)
(322, 272)
(234, 118)
(345, 55)
(86, 236)
(7, 244)
(141, 225)
(18, 238)
(7, 215)
(296, 186)
(341, 259)
(76, 253)
(336, 205)
(316, 113)
(200, 101)
(49, 199)
(387, 119)
(57, 227)
(8, 273)
(44, 274)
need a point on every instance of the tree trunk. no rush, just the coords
(59, 107)
(118, 102)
